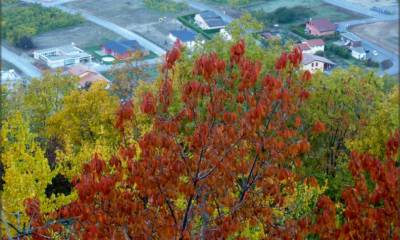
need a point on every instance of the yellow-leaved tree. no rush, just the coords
(85, 125)
(27, 173)
(381, 125)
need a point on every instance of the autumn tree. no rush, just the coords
(341, 103)
(84, 125)
(372, 206)
(217, 161)
(42, 98)
(27, 174)
(381, 125)
(127, 75)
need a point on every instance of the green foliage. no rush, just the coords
(165, 5)
(285, 15)
(381, 126)
(28, 20)
(233, 3)
(337, 50)
(344, 102)
(43, 97)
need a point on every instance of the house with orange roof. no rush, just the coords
(87, 76)
(311, 46)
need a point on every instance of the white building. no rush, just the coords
(312, 46)
(62, 56)
(314, 63)
(9, 78)
(358, 53)
(207, 20)
(225, 34)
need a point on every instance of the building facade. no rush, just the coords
(62, 56)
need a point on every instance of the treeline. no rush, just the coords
(27, 20)
(284, 15)
(231, 2)
(165, 5)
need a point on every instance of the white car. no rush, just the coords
(375, 52)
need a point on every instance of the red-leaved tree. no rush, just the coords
(219, 164)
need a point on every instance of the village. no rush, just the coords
(106, 39)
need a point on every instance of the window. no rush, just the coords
(312, 64)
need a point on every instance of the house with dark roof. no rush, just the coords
(311, 46)
(185, 36)
(320, 27)
(123, 49)
(314, 63)
(207, 20)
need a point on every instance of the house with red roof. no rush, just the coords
(86, 75)
(311, 46)
(320, 27)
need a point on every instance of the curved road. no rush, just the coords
(117, 29)
(21, 63)
(373, 17)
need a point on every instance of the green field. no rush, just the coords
(321, 9)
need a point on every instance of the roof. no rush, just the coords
(358, 49)
(323, 25)
(351, 36)
(268, 35)
(78, 70)
(86, 75)
(208, 14)
(124, 46)
(212, 19)
(315, 42)
(64, 49)
(303, 46)
(309, 58)
(184, 35)
(69, 49)
(91, 77)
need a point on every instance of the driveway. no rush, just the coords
(21, 63)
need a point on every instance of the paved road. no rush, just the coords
(21, 63)
(118, 30)
(106, 24)
(204, 7)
